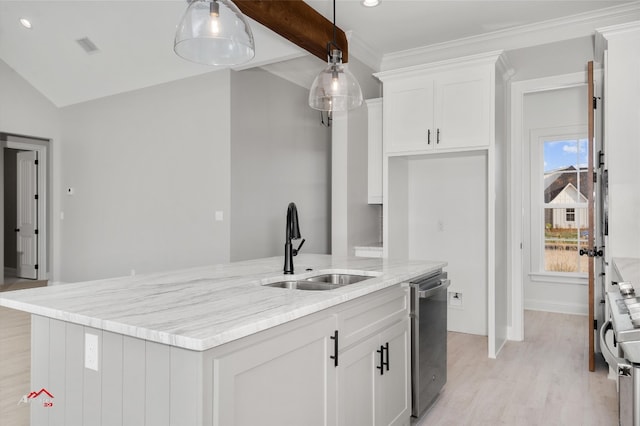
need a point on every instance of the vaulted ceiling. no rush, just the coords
(135, 38)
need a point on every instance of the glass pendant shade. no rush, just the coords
(214, 32)
(335, 88)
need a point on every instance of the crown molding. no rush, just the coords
(495, 57)
(604, 34)
(575, 26)
(360, 49)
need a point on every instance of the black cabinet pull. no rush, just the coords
(334, 357)
(438, 136)
(428, 136)
(386, 349)
(381, 366)
(17, 229)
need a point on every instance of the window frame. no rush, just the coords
(538, 205)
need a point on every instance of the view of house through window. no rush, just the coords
(565, 205)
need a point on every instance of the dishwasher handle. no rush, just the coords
(424, 294)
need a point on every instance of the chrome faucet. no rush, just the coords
(292, 233)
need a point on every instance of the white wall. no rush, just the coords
(558, 58)
(280, 152)
(149, 169)
(24, 111)
(544, 110)
(447, 220)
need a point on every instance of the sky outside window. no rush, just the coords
(565, 153)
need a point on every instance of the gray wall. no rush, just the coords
(10, 202)
(149, 169)
(280, 152)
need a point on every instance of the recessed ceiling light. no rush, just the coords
(25, 23)
(370, 3)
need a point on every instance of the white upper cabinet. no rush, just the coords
(408, 119)
(462, 107)
(428, 110)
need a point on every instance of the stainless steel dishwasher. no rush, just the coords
(428, 339)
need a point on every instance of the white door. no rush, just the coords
(27, 214)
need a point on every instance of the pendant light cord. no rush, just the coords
(334, 22)
(333, 44)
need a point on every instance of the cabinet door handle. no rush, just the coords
(386, 349)
(381, 366)
(428, 136)
(438, 136)
(334, 357)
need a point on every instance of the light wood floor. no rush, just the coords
(15, 362)
(541, 381)
(15, 359)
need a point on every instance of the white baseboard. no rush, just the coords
(557, 307)
(513, 336)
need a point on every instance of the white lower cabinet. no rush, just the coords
(287, 375)
(287, 380)
(374, 380)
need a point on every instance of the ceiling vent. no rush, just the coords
(87, 45)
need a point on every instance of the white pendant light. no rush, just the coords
(335, 88)
(214, 32)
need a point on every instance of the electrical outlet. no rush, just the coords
(91, 351)
(455, 299)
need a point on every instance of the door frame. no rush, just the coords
(40, 145)
(518, 91)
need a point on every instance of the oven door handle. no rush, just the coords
(424, 294)
(611, 359)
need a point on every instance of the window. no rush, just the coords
(564, 204)
(571, 215)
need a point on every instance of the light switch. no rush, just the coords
(219, 215)
(91, 351)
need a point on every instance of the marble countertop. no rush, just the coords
(205, 307)
(627, 269)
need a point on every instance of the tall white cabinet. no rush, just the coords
(617, 49)
(445, 182)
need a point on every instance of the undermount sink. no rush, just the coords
(338, 279)
(320, 282)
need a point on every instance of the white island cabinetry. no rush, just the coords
(218, 346)
(374, 380)
(292, 377)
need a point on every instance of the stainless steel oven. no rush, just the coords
(624, 357)
(428, 339)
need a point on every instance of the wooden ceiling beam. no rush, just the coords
(298, 22)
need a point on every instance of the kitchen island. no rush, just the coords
(217, 346)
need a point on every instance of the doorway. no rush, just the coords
(24, 208)
(529, 275)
